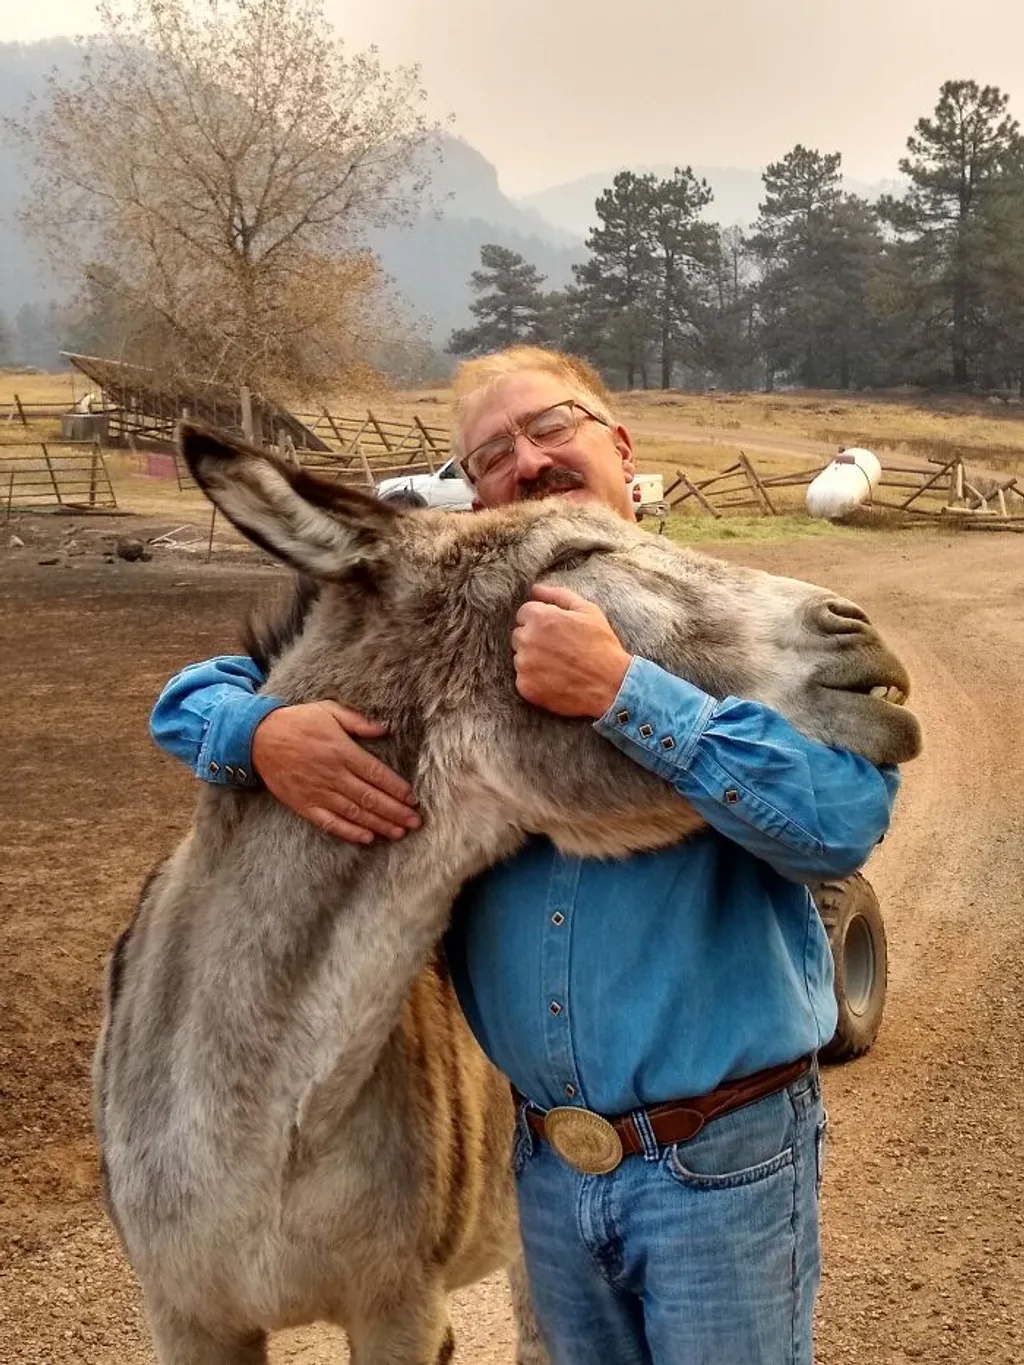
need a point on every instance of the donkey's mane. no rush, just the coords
(269, 631)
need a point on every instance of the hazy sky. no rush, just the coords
(554, 89)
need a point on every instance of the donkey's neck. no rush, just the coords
(313, 944)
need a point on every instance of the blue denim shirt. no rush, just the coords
(614, 983)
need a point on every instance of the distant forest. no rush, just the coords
(824, 289)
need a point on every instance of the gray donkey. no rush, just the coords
(294, 1121)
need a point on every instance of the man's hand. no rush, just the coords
(567, 657)
(306, 758)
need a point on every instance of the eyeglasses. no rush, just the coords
(553, 427)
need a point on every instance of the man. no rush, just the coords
(614, 989)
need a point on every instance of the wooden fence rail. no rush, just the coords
(947, 493)
(364, 449)
(23, 413)
(361, 450)
(63, 474)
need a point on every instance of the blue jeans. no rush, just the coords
(705, 1253)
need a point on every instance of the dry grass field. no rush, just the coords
(700, 433)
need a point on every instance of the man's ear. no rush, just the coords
(318, 528)
(624, 445)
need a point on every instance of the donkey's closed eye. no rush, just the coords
(572, 557)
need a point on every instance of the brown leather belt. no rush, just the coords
(595, 1145)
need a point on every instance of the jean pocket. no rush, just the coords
(725, 1180)
(739, 1148)
(820, 1153)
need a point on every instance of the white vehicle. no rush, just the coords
(648, 494)
(447, 489)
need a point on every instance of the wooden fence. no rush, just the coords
(23, 413)
(365, 449)
(948, 494)
(69, 474)
(362, 449)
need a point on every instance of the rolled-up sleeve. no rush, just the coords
(207, 715)
(808, 810)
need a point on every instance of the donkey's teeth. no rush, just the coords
(893, 695)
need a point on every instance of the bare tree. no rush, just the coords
(214, 163)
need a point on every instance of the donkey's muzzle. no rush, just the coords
(866, 685)
(855, 658)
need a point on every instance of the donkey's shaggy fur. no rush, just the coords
(295, 1122)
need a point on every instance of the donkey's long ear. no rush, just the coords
(316, 527)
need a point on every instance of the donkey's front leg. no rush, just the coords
(530, 1348)
(181, 1341)
(415, 1332)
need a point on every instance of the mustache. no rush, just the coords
(548, 481)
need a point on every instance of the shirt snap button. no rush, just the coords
(558, 917)
(570, 1091)
(645, 731)
(555, 1007)
(668, 742)
(732, 796)
(622, 717)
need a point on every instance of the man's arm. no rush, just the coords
(808, 810)
(212, 717)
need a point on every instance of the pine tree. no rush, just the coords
(510, 306)
(613, 288)
(960, 162)
(729, 350)
(680, 250)
(1000, 338)
(818, 250)
(37, 336)
(6, 342)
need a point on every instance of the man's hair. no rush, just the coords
(475, 377)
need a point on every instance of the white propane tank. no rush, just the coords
(848, 482)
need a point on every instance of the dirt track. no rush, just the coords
(924, 1215)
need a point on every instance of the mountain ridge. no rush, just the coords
(429, 261)
(737, 189)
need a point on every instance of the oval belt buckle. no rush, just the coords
(584, 1139)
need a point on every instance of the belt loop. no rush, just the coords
(523, 1132)
(642, 1124)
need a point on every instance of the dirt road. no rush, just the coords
(924, 1217)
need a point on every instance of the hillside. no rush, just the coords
(429, 262)
(738, 192)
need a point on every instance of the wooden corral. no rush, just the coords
(55, 474)
(142, 407)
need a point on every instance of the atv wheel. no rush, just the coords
(856, 935)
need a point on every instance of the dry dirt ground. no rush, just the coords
(923, 1209)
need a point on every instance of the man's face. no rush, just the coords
(594, 466)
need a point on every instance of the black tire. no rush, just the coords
(856, 935)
